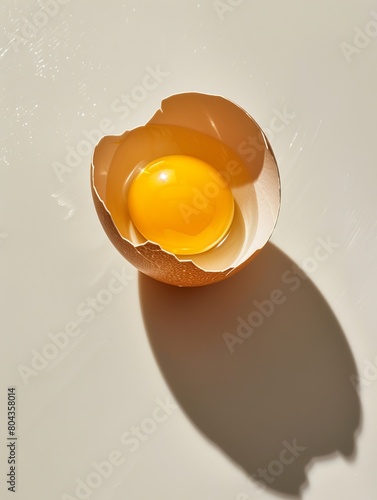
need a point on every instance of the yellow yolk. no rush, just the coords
(182, 203)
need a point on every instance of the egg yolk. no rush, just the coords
(182, 203)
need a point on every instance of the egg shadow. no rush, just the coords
(286, 385)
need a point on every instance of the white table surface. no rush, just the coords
(125, 387)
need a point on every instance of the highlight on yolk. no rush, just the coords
(182, 203)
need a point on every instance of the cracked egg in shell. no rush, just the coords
(192, 196)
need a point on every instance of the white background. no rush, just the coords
(65, 70)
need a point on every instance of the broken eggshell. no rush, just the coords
(222, 134)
